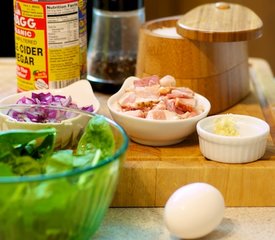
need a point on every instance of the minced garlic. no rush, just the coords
(226, 125)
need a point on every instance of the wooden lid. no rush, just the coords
(220, 22)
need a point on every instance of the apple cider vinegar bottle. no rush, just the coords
(50, 43)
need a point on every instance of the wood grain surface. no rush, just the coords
(220, 22)
(181, 57)
(151, 174)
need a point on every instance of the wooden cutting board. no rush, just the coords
(152, 174)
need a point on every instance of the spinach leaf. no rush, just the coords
(31, 152)
(63, 160)
(5, 170)
(97, 135)
(26, 165)
(24, 150)
(21, 136)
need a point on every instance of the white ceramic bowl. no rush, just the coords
(249, 146)
(68, 130)
(81, 92)
(155, 132)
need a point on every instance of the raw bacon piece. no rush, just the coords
(147, 81)
(171, 115)
(167, 81)
(151, 92)
(186, 104)
(181, 93)
(156, 114)
(161, 115)
(146, 96)
(165, 90)
(145, 103)
(130, 101)
(127, 100)
(185, 115)
(160, 106)
(170, 105)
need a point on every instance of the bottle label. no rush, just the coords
(50, 43)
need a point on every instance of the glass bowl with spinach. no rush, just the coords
(52, 191)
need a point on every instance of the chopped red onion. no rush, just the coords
(44, 115)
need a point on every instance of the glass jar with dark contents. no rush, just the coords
(113, 42)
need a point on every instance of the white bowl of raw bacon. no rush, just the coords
(155, 112)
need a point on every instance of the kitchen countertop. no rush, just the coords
(147, 223)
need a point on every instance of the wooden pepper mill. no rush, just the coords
(206, 52)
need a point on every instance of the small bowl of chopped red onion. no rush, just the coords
(77, 95)
(67, 121)
(155, 112)
(29, 110)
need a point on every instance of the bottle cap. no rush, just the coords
(118, 5)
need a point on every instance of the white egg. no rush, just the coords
(194, 210)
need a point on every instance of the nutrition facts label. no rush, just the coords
(63, 43)
(62, 25)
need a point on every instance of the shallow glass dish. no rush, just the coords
(63, 205)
